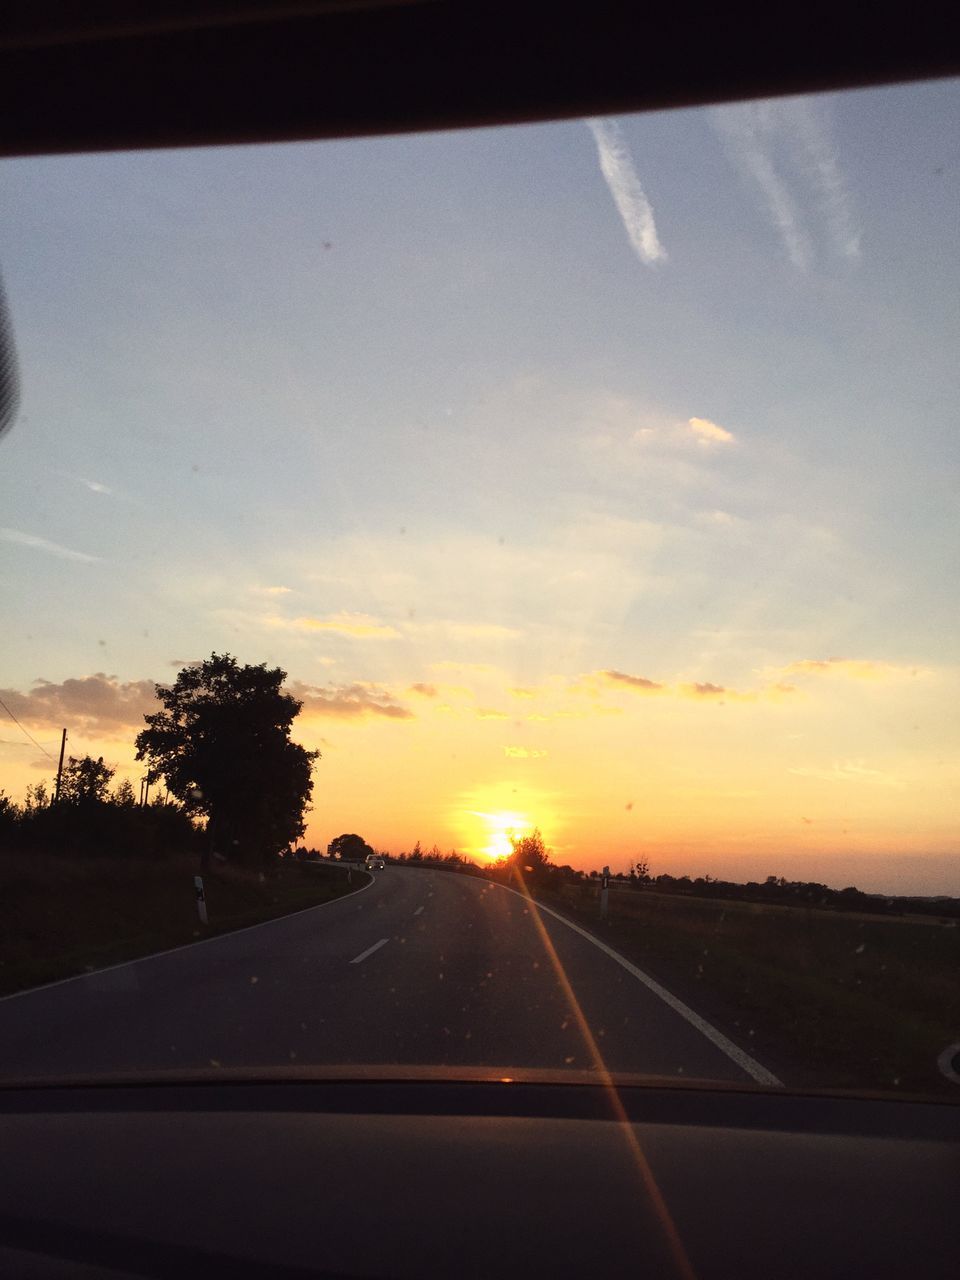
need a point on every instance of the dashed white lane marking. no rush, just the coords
(418, 910)
(369, 951)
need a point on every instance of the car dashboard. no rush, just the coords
(495, 1176)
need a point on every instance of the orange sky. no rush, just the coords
(816, 770)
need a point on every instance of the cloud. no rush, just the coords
(765, 138)
(481, 631)
(272, 591)
(488, 713)
(464, 631)
(425, 690)
(664, 433)
(769, 693)
(348, 701)
(482, 668)
(101, 704)
(723, 518)
(852, 669)
(457, 691)
(94, 486)
(519, 692)
(89, 705)
(360, 626)
(847, 771)
(708, 432)
(582, 713)
(632, 204)
(640, 683)
(524, 753)
(696, 690)
(42, 544)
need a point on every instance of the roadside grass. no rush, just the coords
(853, 1002)
(61, 916)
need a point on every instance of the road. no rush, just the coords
(422, 967)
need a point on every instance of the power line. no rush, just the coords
(26, 731)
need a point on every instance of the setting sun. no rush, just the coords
(499, 830)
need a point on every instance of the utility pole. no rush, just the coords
(56, 793)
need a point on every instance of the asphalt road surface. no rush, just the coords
(421, 968)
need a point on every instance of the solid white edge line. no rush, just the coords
(369, 951)
(185, 946)
(743, 1060)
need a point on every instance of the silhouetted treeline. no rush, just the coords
(795, 893)
(354, 848)
(531, 861)
(90, 820)
(433, 857)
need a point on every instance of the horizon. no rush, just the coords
(886, 874)
(596, 476)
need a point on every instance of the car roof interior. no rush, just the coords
(77, 76)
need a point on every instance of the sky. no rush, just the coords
(596, 475)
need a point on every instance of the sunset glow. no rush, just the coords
(643, 535)
(501, 830)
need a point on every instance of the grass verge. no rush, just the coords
(821, 998)
(62, 916)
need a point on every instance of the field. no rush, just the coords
(62, 916)
(822, 998)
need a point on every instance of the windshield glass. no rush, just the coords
(535, 548)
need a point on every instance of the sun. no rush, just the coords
(499, 846)
(500, 828)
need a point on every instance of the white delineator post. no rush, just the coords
(604, 893)
(201, 899)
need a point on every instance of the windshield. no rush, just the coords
(519, 565)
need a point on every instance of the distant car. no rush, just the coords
(373, 862)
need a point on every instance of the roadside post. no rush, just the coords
(604, 893)
(201, 900)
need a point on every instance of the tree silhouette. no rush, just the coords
(123, 796)
(36, 797)
(349, 847)
(85, 781)
(530, 859)
(222, 742)
(10, 816)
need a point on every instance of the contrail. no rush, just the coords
(632, 204)
(751, 131)
(811, 133)
(742, 128)
(42, 544)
